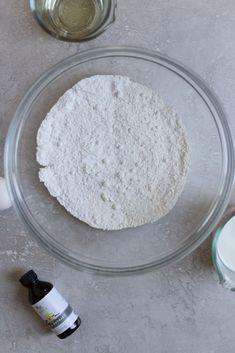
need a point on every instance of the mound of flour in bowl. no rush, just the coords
(112, 153)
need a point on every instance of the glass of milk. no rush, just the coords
(223, 250)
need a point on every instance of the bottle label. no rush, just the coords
(56, 312)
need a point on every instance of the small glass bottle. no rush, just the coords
(50, 305)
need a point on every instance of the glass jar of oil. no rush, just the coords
(74, 20)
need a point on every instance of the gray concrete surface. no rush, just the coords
(179, 309)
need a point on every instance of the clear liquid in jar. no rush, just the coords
(74, 18)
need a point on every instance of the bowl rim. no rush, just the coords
(213, 104)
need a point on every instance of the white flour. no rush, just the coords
(113, 154)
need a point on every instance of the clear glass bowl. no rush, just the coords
(201, 204)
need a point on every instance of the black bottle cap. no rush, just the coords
(28, 278)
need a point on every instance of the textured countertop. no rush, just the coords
(179, 309)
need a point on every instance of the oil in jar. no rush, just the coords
(74, 19)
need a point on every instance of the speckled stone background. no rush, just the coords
(179, 309)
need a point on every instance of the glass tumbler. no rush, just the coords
(74, 20)
(223, 246)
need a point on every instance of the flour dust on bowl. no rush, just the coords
(197, 211)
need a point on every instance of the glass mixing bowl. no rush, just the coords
(204, 198)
